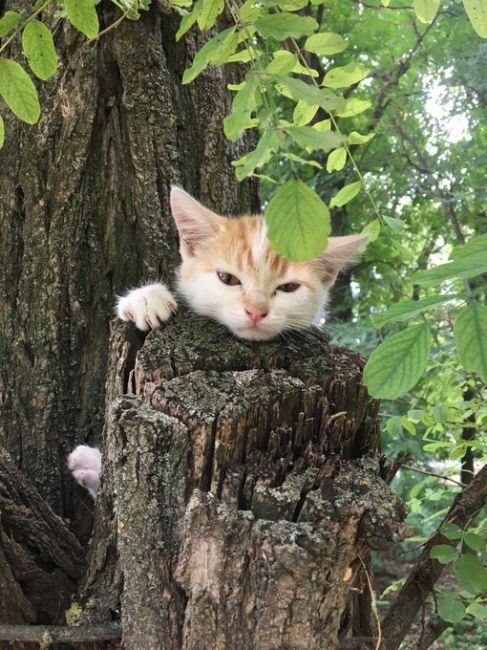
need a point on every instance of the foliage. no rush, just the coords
(320, 82)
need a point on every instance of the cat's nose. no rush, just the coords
(255, 315)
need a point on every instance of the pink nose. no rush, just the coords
(255, 315)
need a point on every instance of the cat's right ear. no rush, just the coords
(194, 222)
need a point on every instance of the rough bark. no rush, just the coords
(41, 561)
(245, 489)
(84, 215)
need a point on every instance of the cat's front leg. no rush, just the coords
(147, 306)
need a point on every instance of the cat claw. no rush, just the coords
(147, 306)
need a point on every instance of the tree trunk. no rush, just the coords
(242, 486)
(241, 489)
(84, 215)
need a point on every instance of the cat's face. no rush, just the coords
(230, 273)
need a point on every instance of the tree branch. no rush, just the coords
(45, 634)
(426, 572)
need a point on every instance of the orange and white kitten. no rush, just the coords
(230, 273)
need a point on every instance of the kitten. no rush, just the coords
(230, 273)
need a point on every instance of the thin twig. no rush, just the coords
(374, 608)
(47, 634)
(423, 471)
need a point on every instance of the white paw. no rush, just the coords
(85, 465)
(147, 306)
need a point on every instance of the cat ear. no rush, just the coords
(339, 252)
(194, 222)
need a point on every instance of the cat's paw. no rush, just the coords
(85, 465)
(147, 306)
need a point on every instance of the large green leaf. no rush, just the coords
(210, 10)
(285, 25)
(477, 13)
(246, 166)
(467, 267)
(18, 91)
(475, 247)
(354, 107)
(471, 574)
(301, 91)
(282, 62)
(2, 132)
(346, 194)
(470, 331)
(207, 54)
(82, 15)
(344, 76)
(243, 105)
(450, 608)
(298, 222)
(38, 46)
(308, 137)
(396, 365)
(325, 43)
(443, 553)
(407, 309)
(426, 9)
(8, 21)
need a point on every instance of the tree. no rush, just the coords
(74, 296)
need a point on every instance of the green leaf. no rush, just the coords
(357, 138)
(477, 14)
(302, 161)
(303, 113)
(38, 46)
(470, 332)
(426, 9)
(451, 531)
(308, 137)
(243, 105)
(477, 610)
(346, 194)
(298, 221)
(210, 10)
(283, 62)
(443, 553)
(372, 229)
(299, 90)
(354, 107)
(336, 159)
(325, 43)
(187, 21)
(206, 55)
(397, 364)
(285, 25)
(475, 247)
(460, 268)
(246, 166)
(82, 15)
(8, 21)
(2, 132)
(450, 608)
(343, 76)
(386, 3)
(18, 91)
(475, 542)
(471, 574)
(392, 222)
(407, 309)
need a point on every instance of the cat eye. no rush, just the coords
(228, 278)
(289, 287)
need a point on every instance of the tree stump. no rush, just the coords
(241, 492)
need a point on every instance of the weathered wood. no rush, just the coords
(41, 561)
(246, 490)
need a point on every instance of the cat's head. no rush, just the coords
(230, 273)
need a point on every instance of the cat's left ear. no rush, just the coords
(339, 252)
(194, 222)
